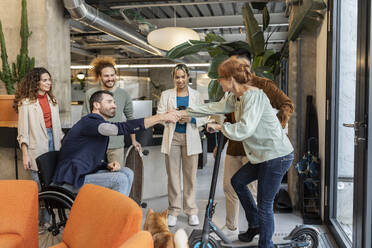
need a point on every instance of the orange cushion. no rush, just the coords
(141, 239)
(19, 210)
(10, 241)
(101, 217)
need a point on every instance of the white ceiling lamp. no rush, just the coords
(169, 37)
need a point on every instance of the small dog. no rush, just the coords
(157, 225)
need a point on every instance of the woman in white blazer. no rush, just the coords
(181, 142)
(39, 126)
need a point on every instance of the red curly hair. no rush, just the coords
(237, 68)
(29, 86)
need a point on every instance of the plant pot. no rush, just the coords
(7, 112)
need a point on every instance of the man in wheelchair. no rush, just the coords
(82, 155)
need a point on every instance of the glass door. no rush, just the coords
(347, 107)
(345, 116)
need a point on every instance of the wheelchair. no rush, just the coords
(54, 200)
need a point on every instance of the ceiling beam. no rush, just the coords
(137, 6)
(82, 52)
(207, 22)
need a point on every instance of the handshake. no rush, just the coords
(175, 115)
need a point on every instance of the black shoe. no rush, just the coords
(249, 235)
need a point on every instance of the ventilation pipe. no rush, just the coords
(92, 17)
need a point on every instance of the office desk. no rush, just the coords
(8, 134)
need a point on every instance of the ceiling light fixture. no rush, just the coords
(80, 75)
(139, 66)
(169, 37)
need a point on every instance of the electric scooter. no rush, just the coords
(300, 236)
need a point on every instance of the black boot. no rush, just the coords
(249, 235)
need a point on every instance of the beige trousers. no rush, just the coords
(173, 160)
(232, 165)
(115, 155)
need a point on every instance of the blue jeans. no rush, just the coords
(269, 175)
(120, 181)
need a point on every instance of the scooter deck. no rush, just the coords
(133, 161)
(292, 244)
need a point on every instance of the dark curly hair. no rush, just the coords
(29, 86)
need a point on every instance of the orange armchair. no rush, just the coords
(18, 214)
(101, 217)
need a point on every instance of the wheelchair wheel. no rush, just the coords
(307, 235)
(195, 240)
(57, 206)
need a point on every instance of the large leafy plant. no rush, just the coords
(265, 63)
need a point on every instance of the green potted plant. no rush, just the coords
(266, 62)
(10, 76)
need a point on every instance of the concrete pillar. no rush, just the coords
(321, 82)
(302, 79)
(49, 44)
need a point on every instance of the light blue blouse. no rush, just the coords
(256, 124)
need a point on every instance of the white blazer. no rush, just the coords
(32, 130)
(168, 101)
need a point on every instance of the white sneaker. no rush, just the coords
(172, 220)
(231, 234)
(193, 220)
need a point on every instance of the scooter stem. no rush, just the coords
(208, 224)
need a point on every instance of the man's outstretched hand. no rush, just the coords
(172, 116)
(113, 166)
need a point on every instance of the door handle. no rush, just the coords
(355, 125)
(348, 125)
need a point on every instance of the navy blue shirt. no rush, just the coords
(84, 147)
(183, 101)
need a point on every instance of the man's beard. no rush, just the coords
(107, 85)
(106, 113)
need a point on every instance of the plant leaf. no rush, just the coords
(214, 51)
(215, 91)
(214, 37)
(272, 59)
(264, 72)
(254, 35)
(216, 61)
(187, 48)
(265, 18)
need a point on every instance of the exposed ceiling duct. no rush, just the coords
(92, 17)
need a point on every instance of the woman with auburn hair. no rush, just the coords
(39, 127)
(266, 145)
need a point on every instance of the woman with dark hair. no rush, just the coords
(181, 143)
(39, 127)
(265, 143)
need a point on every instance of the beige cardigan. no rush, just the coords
(32, 130)
(168, 101)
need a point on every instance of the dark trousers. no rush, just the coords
(269, 175)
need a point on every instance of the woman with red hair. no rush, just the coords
(266, 145)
